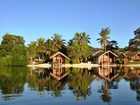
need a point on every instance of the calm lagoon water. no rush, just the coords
(71, 86)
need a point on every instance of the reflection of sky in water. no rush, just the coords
(80, 86)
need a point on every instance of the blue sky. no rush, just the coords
(33, 19)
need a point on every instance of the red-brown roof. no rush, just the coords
(123, 54)
(57, 54)
(130, 54)
(101, 52)
(109, 52)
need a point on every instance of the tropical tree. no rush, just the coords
(103, 40)
(32, 49)
(50, 47)
(12, 50)
(12, 39)
(78, 47)
(41, 48)
(58, 41)
(134, 43)
(41, 45)
(112, 45)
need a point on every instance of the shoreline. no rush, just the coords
(81, 65)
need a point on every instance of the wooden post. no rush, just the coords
(114, 60)
(108, 59)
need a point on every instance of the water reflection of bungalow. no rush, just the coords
(58, 59)
(59, 73)
(131, 73)
(105, 58)
(135, 85)
(108, 73)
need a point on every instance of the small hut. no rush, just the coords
(123, 57)
(104, 58)
(58, 59)
(134, 56)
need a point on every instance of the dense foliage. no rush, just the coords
(78, 47)
(13, 51)
(134, 43)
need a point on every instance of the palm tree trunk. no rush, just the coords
(104, 47)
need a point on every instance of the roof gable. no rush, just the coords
(138, 53)
(123, 54)
(109, 52)
(97, 53)
(57, 54)
(130, 54)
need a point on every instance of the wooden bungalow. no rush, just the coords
(133, 56)
(123, 58)
(136, 57)
(103, 58)
(58, 59)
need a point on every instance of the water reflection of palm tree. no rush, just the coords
(106, 96)
(79, 81)
(133, 75)
(109, 76)
(135, 85)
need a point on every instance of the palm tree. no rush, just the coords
(58, 41)
(112, 45)
(104, 37)
(49, 47)
(85, 37)
(134, 43)
(81, 45)
(82, 38)
(32, 49)
(41, 47)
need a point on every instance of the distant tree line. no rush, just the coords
(14, 52)
(134, 43)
